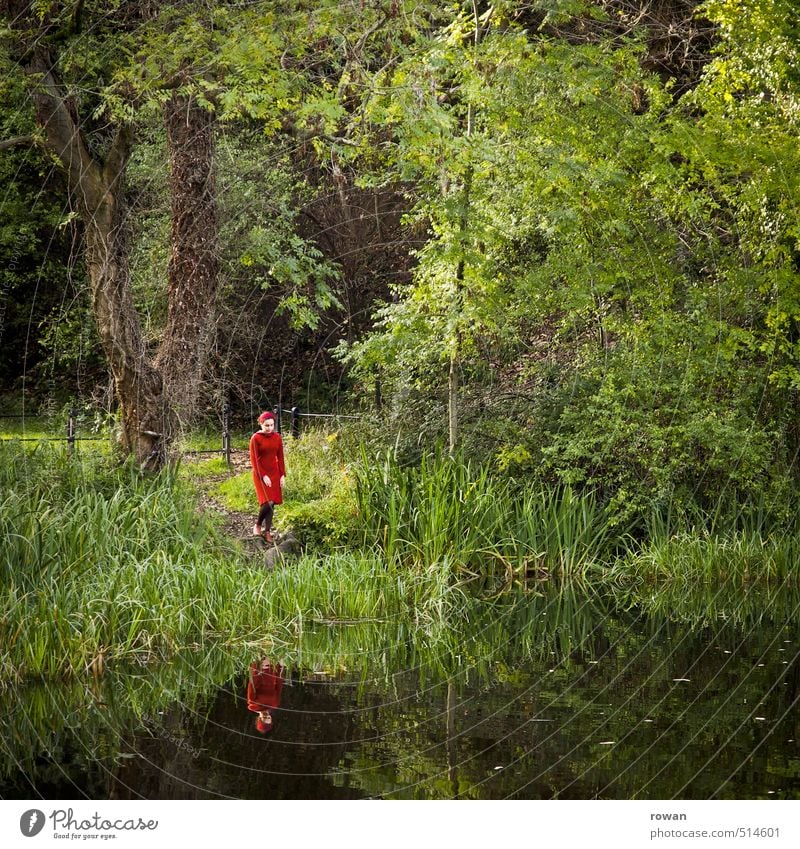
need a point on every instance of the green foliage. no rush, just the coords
(613, 267)
(666, 422)
(264, 247)
(103, 565)
(649, 242)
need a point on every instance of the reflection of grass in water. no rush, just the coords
(102, 715)
(77, 723)
(535, 652)
(710, 604)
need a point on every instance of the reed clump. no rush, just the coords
(706, 556)
(449, 512)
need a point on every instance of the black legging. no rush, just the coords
(265, 514)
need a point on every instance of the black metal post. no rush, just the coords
(295, 422)
(226, 432)
(276, 411)
(71, 429)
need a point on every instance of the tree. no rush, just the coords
(240, 72)
(95, 188)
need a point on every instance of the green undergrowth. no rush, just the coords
(450, 510)
(486, 525)
(101, 565)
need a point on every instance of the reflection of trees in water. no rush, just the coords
(506, 696)
(549, 728)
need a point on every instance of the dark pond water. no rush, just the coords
(572, 698)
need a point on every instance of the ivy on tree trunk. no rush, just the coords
(193, 265)
(147, 421)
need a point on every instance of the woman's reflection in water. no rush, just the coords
(264, 692)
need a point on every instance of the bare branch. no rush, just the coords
(19, 141)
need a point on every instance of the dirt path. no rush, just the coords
(235, 524)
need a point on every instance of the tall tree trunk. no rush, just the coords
(148, 423)
(463, 232)
(193, 265)
(96, 191)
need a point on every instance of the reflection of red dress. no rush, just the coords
(266, 458)
(264, 687)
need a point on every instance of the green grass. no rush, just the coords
(236, 493)
(33, 430)
(319, 496)
(200, 470)
(712, 557)
(101, 565)
(449, 510)
(210, 439)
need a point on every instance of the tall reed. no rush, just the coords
(450, 511)
(727, 543)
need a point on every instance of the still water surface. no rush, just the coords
(603, 702)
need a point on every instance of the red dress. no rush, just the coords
(264, 687)
(266, 458)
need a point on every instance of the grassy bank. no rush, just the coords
(489, 525)
(319, 496)
(482, 525)
(101, 565)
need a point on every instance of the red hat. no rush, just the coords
(265, 417)
(263, 727)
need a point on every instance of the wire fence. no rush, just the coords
(72, 436)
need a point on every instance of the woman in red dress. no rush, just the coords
(269, 473)
(264, 692)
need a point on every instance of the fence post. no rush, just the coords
(71, 429)
(226, 432)
(295, 422)
(276, 411)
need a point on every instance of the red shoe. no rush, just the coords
(267, 536)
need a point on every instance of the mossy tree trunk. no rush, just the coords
(95, 188)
